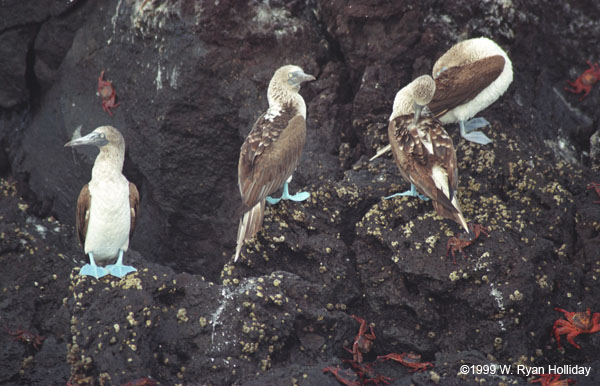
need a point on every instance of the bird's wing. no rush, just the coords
(426, 157)
(444, 155)
(401, 143)
(269, 156)
(83, 213)
(134, 204)
(458, 85)
(419, 149)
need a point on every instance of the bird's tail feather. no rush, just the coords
(453, 213)
(250, 224)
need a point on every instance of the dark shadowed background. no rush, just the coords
(191, 79)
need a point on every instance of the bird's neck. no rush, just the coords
(109, 163)
(279, 97)
(403, 103)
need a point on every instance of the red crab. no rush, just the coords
(409, 360)
(596, 187)
(27, 337)
(576, 323)
(107, 93)
(347, 376)
(463, 240)
(367, 374)
(141, 382)
(362, 342)
(585, 81)
(553, 380)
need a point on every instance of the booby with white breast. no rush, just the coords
(272, 151)
(469, 77)
(107, 206)
(423, 151)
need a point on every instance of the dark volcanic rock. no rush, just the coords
(191, 79)
(13, 65)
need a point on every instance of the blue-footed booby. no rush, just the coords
(272, 150)
(423, 151)
(469, 77)
(107, 206)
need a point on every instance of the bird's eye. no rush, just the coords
(290, 75)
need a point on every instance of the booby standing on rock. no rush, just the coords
(107, 206)
(469, 77)
(272, 151)
(424, 151)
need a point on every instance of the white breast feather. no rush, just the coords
(110, 219)
(273, 112)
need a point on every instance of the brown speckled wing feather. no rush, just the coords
(83, 214)
(458, 85)
(134, 204)
(270, 155)
(445, 156)
(416, 161)
(268, 158)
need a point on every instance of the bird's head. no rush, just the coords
(423, 90)
(102, 136)
(290, 77)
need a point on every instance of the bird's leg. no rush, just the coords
(119, 270)
(467, 130)
(92, 269)
(412, 192)
(300, 196)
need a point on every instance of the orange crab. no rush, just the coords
(368, 375)
(346, 377)
(141, 382)
(553, 380)
(576, 323)
(107, 93)
(463, 240)
(362, 342)
(27, 337)
(585, 81)
(596, 187)
(409, 360)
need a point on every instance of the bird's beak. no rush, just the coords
(93, 138)
(418, 108)
(300, 77)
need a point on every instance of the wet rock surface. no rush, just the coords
(191, 79)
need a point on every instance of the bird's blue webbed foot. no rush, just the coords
(467, 130)
(118, 269)
(300, 196)
(411, 192)
(92, 269)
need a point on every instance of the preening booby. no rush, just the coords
(469, 77)
(424, 151)
(272, 150)
(107, 206)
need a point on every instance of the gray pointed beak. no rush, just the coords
(93, 139)
(418, 108)
(300, 77)
(306, 78)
